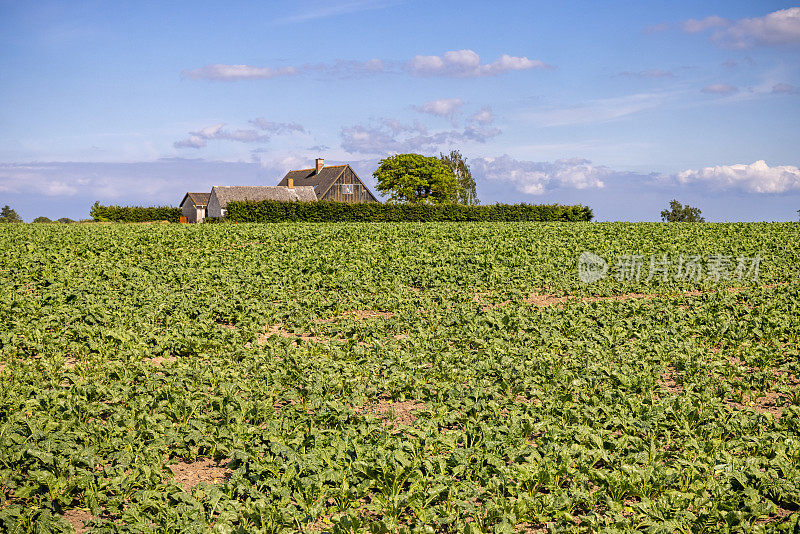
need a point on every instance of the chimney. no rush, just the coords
(291, 183)
(320, 164)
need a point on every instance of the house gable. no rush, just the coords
(328, 182)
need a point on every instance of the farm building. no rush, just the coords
(338, 182)
(193, 206)
(221, 195)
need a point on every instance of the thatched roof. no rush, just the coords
(199, 200)
(257, 193)
(321, 181)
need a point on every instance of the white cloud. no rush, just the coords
(719, 89)
(448, 108)
(467, 63)
(777, 28)
(484, 116)
(536, 178)
(774, 29)
(697, 26)
(238, 72)
(756, 177)
(390, 136)
(200, 138)
(277, 127)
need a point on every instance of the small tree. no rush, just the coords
(415, 178)
(9, 215)
(42, 220)
(679, 213)
(466, 183)
(65, 220)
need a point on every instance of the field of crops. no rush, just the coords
(397, 378)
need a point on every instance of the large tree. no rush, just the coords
(680, 213)
(9, 215)
(466, 184)
(415, 178)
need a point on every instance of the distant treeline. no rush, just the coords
(324, 211)
(134, 213)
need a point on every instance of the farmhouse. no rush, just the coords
(221, 195)
(338, 182)
(193, 206)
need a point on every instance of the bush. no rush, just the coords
(65, 220)
(324, 211)
(42, 220)
(134, 213)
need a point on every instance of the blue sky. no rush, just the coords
(621, 106)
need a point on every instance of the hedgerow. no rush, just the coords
(276, 211)
(134, 213)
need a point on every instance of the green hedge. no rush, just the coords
(134, 213)
(275, 211)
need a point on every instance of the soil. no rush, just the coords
(206, 471)
(403, 411)
(77, 518)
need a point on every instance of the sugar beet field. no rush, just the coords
(398, 378)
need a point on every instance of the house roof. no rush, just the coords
(199, 200)
(321, 181)
(257, 193)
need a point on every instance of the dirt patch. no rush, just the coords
(158, 360)
(778, 516)
(764, 404)
(540, 299)
(278, 330)
(78, 518)
(206, 471)
(667, 382)
(70, 362)
(393, 412)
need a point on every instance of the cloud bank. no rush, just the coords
(455, 63)
(537, 178)
(757, 177)
(779, 28)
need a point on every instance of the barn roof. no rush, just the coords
(321, 181)
(257, 193)
(198, 199)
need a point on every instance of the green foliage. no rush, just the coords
(463, 408)
(8, 215)
(680, 213)
(416, 179)
(134, 213)
(324, 211)
(42, 220)
(65, 220)
(467, 193)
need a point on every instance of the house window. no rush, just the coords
(347, 189)
(222, 213)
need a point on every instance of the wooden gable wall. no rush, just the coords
(349, 179)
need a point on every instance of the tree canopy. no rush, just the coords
(416, 178)
(680, 213)
(9, 215)
(467, 193)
